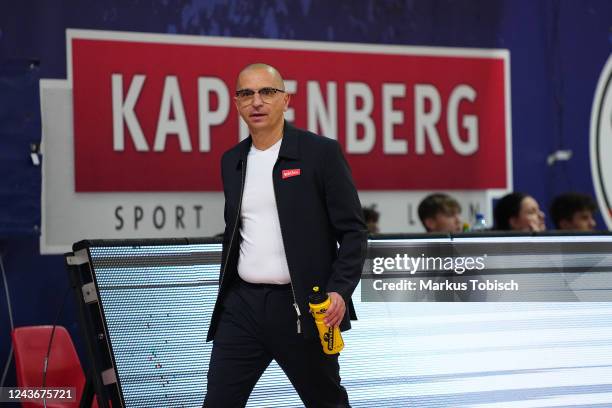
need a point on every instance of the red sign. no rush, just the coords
(291, 173)
(155, 112)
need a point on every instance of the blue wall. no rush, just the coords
(557, 50)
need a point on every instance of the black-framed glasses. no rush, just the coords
(245, 96)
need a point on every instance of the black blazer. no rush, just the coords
(322, 225)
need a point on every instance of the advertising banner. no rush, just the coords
(154, 112)
(134, 136)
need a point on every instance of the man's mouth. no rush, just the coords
(257, 115)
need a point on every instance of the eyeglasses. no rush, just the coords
(245, 96)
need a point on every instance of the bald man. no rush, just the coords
(293, 221)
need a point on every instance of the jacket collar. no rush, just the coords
(289, 149)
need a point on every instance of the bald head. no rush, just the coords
(276, 76)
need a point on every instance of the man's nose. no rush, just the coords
(257, 99)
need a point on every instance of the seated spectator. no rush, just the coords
(518, 212)
(573, 212)
(371, 216)
(440, 213)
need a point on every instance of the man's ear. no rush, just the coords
(430, 224)
(565, 225)
(287, 99)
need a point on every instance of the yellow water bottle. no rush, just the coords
(331, 339)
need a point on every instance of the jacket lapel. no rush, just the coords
(290, 146)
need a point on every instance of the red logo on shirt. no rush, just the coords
(291, 173)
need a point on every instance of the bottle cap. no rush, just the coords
(317, 296)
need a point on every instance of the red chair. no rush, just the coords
(64, 368)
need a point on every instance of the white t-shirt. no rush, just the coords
(262, 256)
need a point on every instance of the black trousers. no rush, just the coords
(258, 324)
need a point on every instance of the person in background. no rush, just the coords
(573, 212)
(518, 212)
(440, 213)
(371, 217)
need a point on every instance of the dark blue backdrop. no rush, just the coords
(557, 50)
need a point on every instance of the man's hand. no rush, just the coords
(335, 313)
(537, 226)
